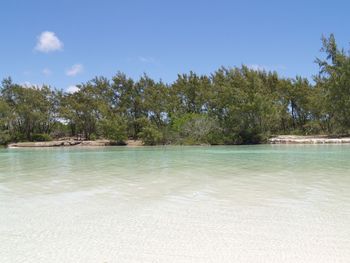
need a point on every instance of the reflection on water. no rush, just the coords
(176, 204)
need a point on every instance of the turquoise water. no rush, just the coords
(267, 203)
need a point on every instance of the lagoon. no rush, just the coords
(266, 203)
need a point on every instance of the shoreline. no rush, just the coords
(316, 139)
(280, 139)
(73, 143)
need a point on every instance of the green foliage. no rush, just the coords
(93, 137)
(5, 137)
(230, 106)
(193, 128)
(333, 81)
(32, 109)
(41, 137)
(150, 135)
(114, 129)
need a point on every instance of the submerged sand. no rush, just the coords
(256, 204)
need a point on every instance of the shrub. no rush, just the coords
(312, 127)
(197, 129)
(93, 137)
(5, 137)
(114, 129)
(18, 137)
(41, 137)
(150, 135)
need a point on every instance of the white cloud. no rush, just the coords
(46, 72)
(30, 85)
(48, 42)
(75, 70)
(27, 84)
(258, 67)
(146, 59)
(72, 89)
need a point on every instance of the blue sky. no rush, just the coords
(64, 43)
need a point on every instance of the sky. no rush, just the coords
(64, 43)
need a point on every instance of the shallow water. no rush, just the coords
(176, 204)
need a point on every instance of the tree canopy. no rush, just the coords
(236, 105)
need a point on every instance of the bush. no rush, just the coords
(252, 136)
(114, 129)
(41, 137)
(150, 135)
(18, 137)
(5, 137)
(197, 129)
(312, 127)
(93, 137)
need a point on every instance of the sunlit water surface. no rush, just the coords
(175, 204)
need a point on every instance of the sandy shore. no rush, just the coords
(281, 139)
(320, 139)
(74, 143)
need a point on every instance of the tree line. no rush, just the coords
(230, 106)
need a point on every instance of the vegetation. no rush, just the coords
(231, 106)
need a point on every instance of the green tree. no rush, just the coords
(334, 80)
(32, 109)
(129, 98)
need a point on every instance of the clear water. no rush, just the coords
(176, 204)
